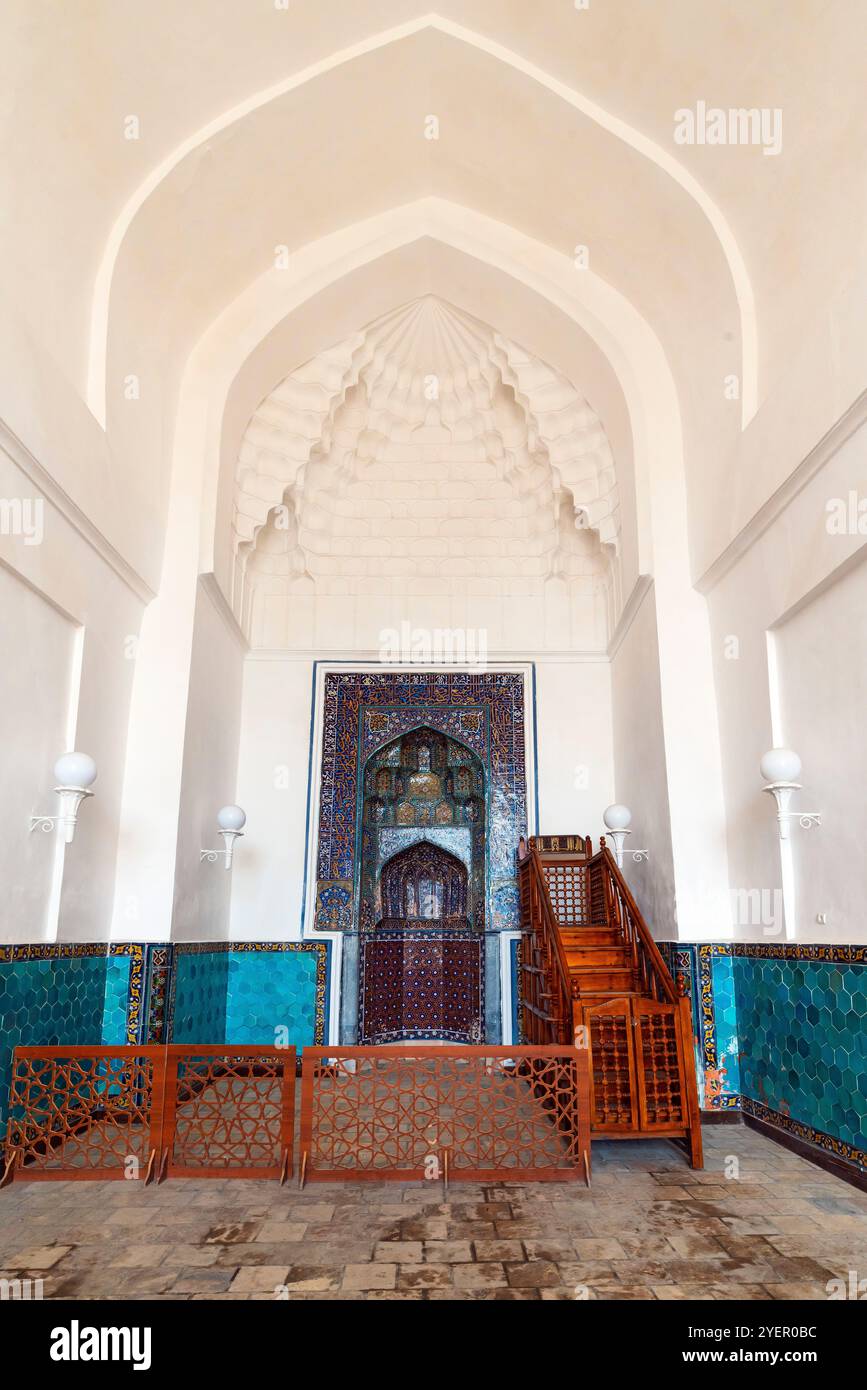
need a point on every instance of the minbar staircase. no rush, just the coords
(591, 973)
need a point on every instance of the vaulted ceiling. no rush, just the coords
(426, 446)
(166, 160)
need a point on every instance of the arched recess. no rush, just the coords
(505, 476)
(230, 359)
(578, 324)
(659, 158)
(424, 788)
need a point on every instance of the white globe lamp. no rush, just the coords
(231, 821)
(75, 774)
(781, 768)
(617, 819)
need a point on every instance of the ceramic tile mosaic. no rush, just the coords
(278, 994)
(803, 1039)
(726, 1022)
(56, 996)
(517, 1012)
(198, 994)
(781, 1033)
(366, 711)
(115, 1007)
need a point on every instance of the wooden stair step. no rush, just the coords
(620, 956)
(604, 978)
(601, 995)
(591, 936)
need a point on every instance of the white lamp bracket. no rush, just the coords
(782, 794)
(70, 802)
(213, 855)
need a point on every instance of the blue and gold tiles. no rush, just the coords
(244, 992)
(49, 994)
(782, 1035)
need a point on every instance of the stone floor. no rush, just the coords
(757, 1223)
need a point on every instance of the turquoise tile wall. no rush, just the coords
(116, 1000)
(517, 1020)
(781, 1033)
(802, 1027)
(267, 991)
(726, 1021)
(53, 1001)
(199, 986)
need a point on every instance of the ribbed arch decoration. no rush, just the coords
(424, 883)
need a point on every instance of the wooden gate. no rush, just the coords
(125, 1112)
(84, 1112)
(229, 1112)
(479, 1113)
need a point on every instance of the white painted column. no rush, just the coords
(147, 847)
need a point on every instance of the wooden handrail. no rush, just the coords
(589, 973)
(555, 970)
(646, 954)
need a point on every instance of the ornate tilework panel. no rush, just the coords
(517, 1010)
(726, 1019)
(803, 1040)
(456, 839)
(782, 1034)
(114, 1014)
(56, 996)
(364, 712)
(278, 996)
(159, 970)
(198, 994)
(429, 984)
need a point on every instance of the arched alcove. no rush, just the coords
(423, 788)
(423, 891)
(423, 885)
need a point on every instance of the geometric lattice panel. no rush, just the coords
(610, 1040)
(85, 1112)
(402, 1113)
(228, 1113)
(567, 889)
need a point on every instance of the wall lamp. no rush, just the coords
(781, 769)
(617, 820)
(231, 821)
(75, 773)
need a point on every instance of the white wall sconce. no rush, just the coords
(75, 773)
(781, 769)
(231, 820)
(617, 820)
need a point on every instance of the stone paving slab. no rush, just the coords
(648, 1229)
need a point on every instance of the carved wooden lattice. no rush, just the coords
(567, 889)
(478, 1112)
(659, 1059)
(613, 1073)
(84, 1112)
(229, 1112)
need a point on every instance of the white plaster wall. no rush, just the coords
(268, 874)
(640, 777)
(202, 890)
(575, 748)
(37, 677)
(797, 579)
(822, 662)
(69, 621)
